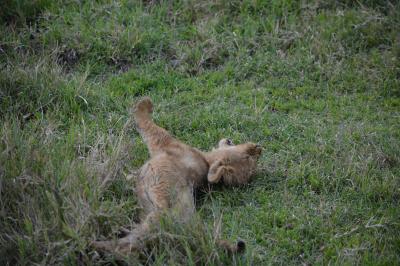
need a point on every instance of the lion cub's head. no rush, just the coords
(233, 164)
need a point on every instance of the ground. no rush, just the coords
(316, 83)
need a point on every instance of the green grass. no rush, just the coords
(316, 83)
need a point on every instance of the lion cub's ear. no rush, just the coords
(254, 150)
(225, 143)
(218, 171)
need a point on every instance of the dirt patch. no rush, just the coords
(68, 57)
(121, 64)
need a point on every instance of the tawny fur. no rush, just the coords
(167, 181)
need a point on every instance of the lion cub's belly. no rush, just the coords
(195, 167)
(168, 179)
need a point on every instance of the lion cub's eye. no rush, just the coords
(229, 142)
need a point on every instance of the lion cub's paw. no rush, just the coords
(144, 105)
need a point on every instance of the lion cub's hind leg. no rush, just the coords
(135, 240)
(155, 137)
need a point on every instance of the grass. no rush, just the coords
(315, 82)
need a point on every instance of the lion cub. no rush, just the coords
(166, 181)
